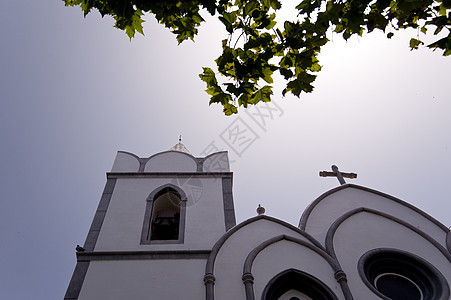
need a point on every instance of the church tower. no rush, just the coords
(156, 223)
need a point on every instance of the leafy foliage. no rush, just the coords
(256, 47)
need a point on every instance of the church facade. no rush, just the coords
(165, 229)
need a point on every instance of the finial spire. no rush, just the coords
(180, 147)
(260, 210)
(336, 173)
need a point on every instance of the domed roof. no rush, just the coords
(180, 148)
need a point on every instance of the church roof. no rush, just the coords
(180, 148)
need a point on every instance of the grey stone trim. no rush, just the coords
(229, 210)
(99, 216)
(304, 218)
(319, 288)
(145, 232)
(448, 241)
(81, 268)
(142, 255)
(248, 280)
(200, 164)
(209, 268)
(209, 281)
(333, 228)
(76, 282)
(169, 174)
(438, 281)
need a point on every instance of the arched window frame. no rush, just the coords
(297, 280)
(146, 230)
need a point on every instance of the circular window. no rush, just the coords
(396, 275)
(396, 286)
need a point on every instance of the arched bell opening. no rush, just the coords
(164, 217)
(165, 220)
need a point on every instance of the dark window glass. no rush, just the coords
(397, 287)
(398, 275)
(165, 220)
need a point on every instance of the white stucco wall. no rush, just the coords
(216, 162)
(144, 279)
(122, 226)
(366, 231)
(125, 162)
(171, 161)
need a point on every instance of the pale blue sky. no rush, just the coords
(74, 91)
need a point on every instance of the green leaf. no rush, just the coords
(414, 43)
(267, 75)
(208, 76)
(286, 73)
(250, 7)
(263, 94)
(230, 109)
(222, 98)
(272, 3)
(316, 67)
(228, 19)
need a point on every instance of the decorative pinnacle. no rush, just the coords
(260, 210)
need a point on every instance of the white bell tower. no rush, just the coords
(156, 223)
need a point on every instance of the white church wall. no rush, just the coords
(228, 268)
(122, 226)
(171, 161)
(285, 255)
(205, 222)
(366, 231)
(144, 279)
(338, 203)
(125, 162)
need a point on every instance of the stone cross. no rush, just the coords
(336, 173)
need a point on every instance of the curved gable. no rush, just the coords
(229, 253)
(249, 226)
(126, 162)
(330, 206)
(289, 252)
(171, 161)
(216, 162)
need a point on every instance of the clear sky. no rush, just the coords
(74, 91)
